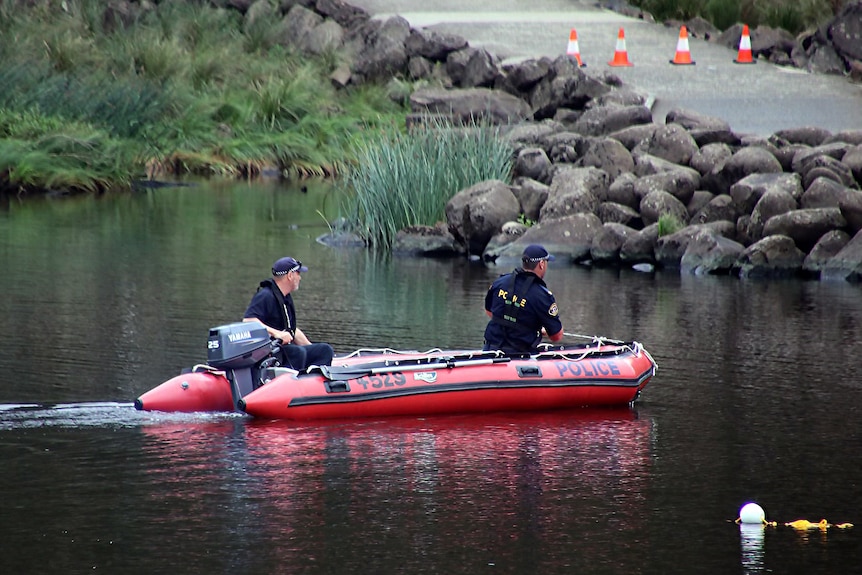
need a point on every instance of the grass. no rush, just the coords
(669, 224)
(183, 88)
(794, 16)
(406, 179)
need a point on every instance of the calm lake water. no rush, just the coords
(758, 397)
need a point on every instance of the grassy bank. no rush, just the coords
(791, 15)
(89, 104)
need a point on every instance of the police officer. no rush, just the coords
(521, 307)
(272, 306)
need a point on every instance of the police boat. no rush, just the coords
(242, 373)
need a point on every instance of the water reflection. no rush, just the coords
(751, 540)
(492, 488)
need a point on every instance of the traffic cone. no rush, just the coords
(621, 57)
(572, 50)
(744, 56)
(682, 56)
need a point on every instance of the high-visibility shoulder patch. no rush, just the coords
(553, 311)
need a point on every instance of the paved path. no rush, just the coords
(758, 99)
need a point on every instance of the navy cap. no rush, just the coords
(536, 253)
(287, 265)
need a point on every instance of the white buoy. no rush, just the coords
(752, 513)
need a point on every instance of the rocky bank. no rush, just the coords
(593, 173)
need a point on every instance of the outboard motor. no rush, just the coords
(238, 348)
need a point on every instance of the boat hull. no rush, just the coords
(392, 383)
(496, 386)
(189, 392)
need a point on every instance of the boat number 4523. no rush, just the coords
(381, 381)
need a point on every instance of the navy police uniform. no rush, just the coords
(521, 305)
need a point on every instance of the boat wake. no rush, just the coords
(91, 414)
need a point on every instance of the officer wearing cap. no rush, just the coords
(521, 307)
(272, 306)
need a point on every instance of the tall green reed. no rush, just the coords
(405, 179)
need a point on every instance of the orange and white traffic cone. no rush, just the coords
(744, 56)
(621, 57)
(682, 56)
(572, 50)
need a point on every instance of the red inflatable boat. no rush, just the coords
(242, 373)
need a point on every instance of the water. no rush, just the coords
(757, 398)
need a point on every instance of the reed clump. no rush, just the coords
(403, 179)
(184, 88)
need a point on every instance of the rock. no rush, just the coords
(808, 135)
(822, 193)
(565, 86)
(748, 191)
(639, 248)
(532, 195)
(658, 203)
(476, 214)
(745, 162)
(680, 183)
(427, 241)
(805, 227)
(608, 155)
(710, 253)
(383, 54)
(771, 257)
(466, 106)
(607, 243)
(569, 237)
(672, 143)
(847, 263)
(846, 31)
(621, 191)
(575, 190)
(604, 120)
(824, 250)
(433, 45)
(771, 204)
(721, 207)
(632, 136)
(611, 212)
(532, 163)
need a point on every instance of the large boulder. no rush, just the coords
(748, 191)
(847, 263)
(470, 105)
(607, 243)
(658, 203)
(639, 248)
(575, 190)
(805, 227)
(610, 156)
(603, 120)
(772, 257)
(427, 241)
(476, 214)
(383, 54)
(824, 250)
(745, 162)
(569, 237)
(433, 45)
(672, 143)
(709, 253)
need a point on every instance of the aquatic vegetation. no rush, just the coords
(404, 179)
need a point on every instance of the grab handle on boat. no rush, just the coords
(334, 372)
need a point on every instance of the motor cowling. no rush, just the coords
(238, 345)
